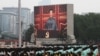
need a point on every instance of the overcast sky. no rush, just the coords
(80, 6)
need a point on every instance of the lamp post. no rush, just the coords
(19, 21)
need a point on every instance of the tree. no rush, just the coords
(29, 32)
(87, 26)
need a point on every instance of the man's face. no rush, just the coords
(51, 13)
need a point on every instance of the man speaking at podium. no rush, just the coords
(50, 25)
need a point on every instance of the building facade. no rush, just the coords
(25, 16)
(8, 22)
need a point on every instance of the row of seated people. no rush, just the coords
(48, 51)
(48, 54)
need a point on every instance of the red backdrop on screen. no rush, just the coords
(41, 14)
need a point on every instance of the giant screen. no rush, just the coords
(50, 20)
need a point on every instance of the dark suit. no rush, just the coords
(51, 24)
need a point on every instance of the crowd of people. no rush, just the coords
(76, 50)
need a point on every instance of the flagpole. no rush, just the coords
(19, 21)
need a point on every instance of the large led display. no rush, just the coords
(50, 21)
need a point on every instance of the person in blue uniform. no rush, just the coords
(51, 22)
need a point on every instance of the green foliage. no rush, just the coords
(28, 33)
(87, 26)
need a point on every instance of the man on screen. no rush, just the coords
(51, 22)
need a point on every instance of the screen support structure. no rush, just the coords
(19, 21)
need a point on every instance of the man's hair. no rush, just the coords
(51, 10)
